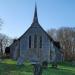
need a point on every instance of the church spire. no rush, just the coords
(35, 19)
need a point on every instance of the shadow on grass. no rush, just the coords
(58, 71)
(7, 68)
(10, 68)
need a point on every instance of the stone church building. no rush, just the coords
(35, 44)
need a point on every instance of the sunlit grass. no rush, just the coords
(9, 67)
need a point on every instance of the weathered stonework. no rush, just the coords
(20, 48)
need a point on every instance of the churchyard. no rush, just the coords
(9, 67)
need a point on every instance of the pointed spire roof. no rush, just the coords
(35, 19)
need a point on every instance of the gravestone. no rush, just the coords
(20, 60)
(73, 63)
(0, 59)
(54, 61)
(37, 68)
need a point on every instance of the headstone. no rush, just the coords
(45, 64)
(54, 61)
(73, 63)
(20, 60)
(0, 59)
(37, 68)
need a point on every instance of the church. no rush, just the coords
(35, 44)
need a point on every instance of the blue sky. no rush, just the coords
(17, 15)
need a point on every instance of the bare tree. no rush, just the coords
(5, 41)
(53, 33)
(66, 37)
(1, 43)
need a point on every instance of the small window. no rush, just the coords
(29, 41)
(40, 42)
(35, 41)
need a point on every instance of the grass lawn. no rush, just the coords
(9, 67)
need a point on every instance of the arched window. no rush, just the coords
(29, 41)
(35, 41)
(40, 42)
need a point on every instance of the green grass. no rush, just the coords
(9, 67)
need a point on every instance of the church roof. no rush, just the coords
(35, 24)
